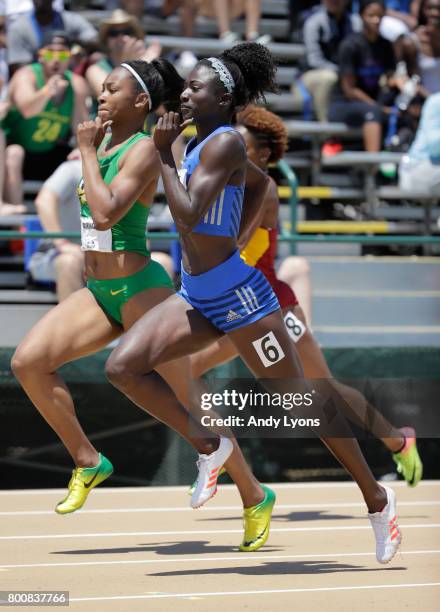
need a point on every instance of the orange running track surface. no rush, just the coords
(145, 549)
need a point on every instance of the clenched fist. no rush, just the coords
(90, 133)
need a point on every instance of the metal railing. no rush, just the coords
(292, 237)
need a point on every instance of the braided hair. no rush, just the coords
(253, 69)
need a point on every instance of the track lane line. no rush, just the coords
(238, 557)
(65, 536)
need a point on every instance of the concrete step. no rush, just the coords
(11, 262)
(26, 296)
(268, 7)
(17, 320)
(381, 273)
(14, 279)
(382, 310)
(334, 336)
(276, 27)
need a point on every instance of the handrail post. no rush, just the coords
(290, 175)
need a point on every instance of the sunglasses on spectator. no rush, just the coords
(114, 33)
(48, 55)
(2, 27)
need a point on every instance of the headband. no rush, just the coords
(224, 75)
(141, 83)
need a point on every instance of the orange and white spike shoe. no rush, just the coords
(386, 530)
(209, 467)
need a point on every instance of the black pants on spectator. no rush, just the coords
(355, 113)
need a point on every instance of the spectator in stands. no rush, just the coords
(323, 33)
(299, 11)
(400, 18)
(48, 101)
(421, 49)
(366, 60)
(58, 209)
(122, 38)
(163, 9)
(16, 8)
(4, 72)
(420, 169)
(27, 32)
(5, 209)
(226, 11)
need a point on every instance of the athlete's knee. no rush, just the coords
(198, 366)
(71, 258)
(14, 157)
(121, 372)
(69, 264)
(296, 266)
(26, 362)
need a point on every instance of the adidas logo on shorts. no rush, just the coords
(232, 316)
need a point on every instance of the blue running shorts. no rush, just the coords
(231, 295)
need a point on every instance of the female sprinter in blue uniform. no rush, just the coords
(220, 293)
(266, 141)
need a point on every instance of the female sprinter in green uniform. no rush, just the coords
(219, 291)
(123, 283)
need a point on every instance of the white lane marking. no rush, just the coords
(262, 592)
(119, 534)
(212, 508)
(173, 489)
(238, 557)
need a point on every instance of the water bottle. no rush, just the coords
(403, 100)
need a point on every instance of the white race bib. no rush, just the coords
(182, 174)
(269, 349)
(93, 239)
(295, 326)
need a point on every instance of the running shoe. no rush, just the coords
(256, 522)
(82, 482)
(386, 530)
(408, 462)
(209, 468)
(194, 484)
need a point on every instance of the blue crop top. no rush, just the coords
(223, 216)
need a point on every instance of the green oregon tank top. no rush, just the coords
(128, 234)
(43, 131)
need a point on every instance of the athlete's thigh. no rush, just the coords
(142, 302)
(74, 328)
(310, 354)
(215, 354)
(266, 348)
(177, 372)
(166, 332)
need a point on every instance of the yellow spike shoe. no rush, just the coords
(82, 482)
(256, 521)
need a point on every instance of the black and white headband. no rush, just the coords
(224, 75)
(141, 83)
